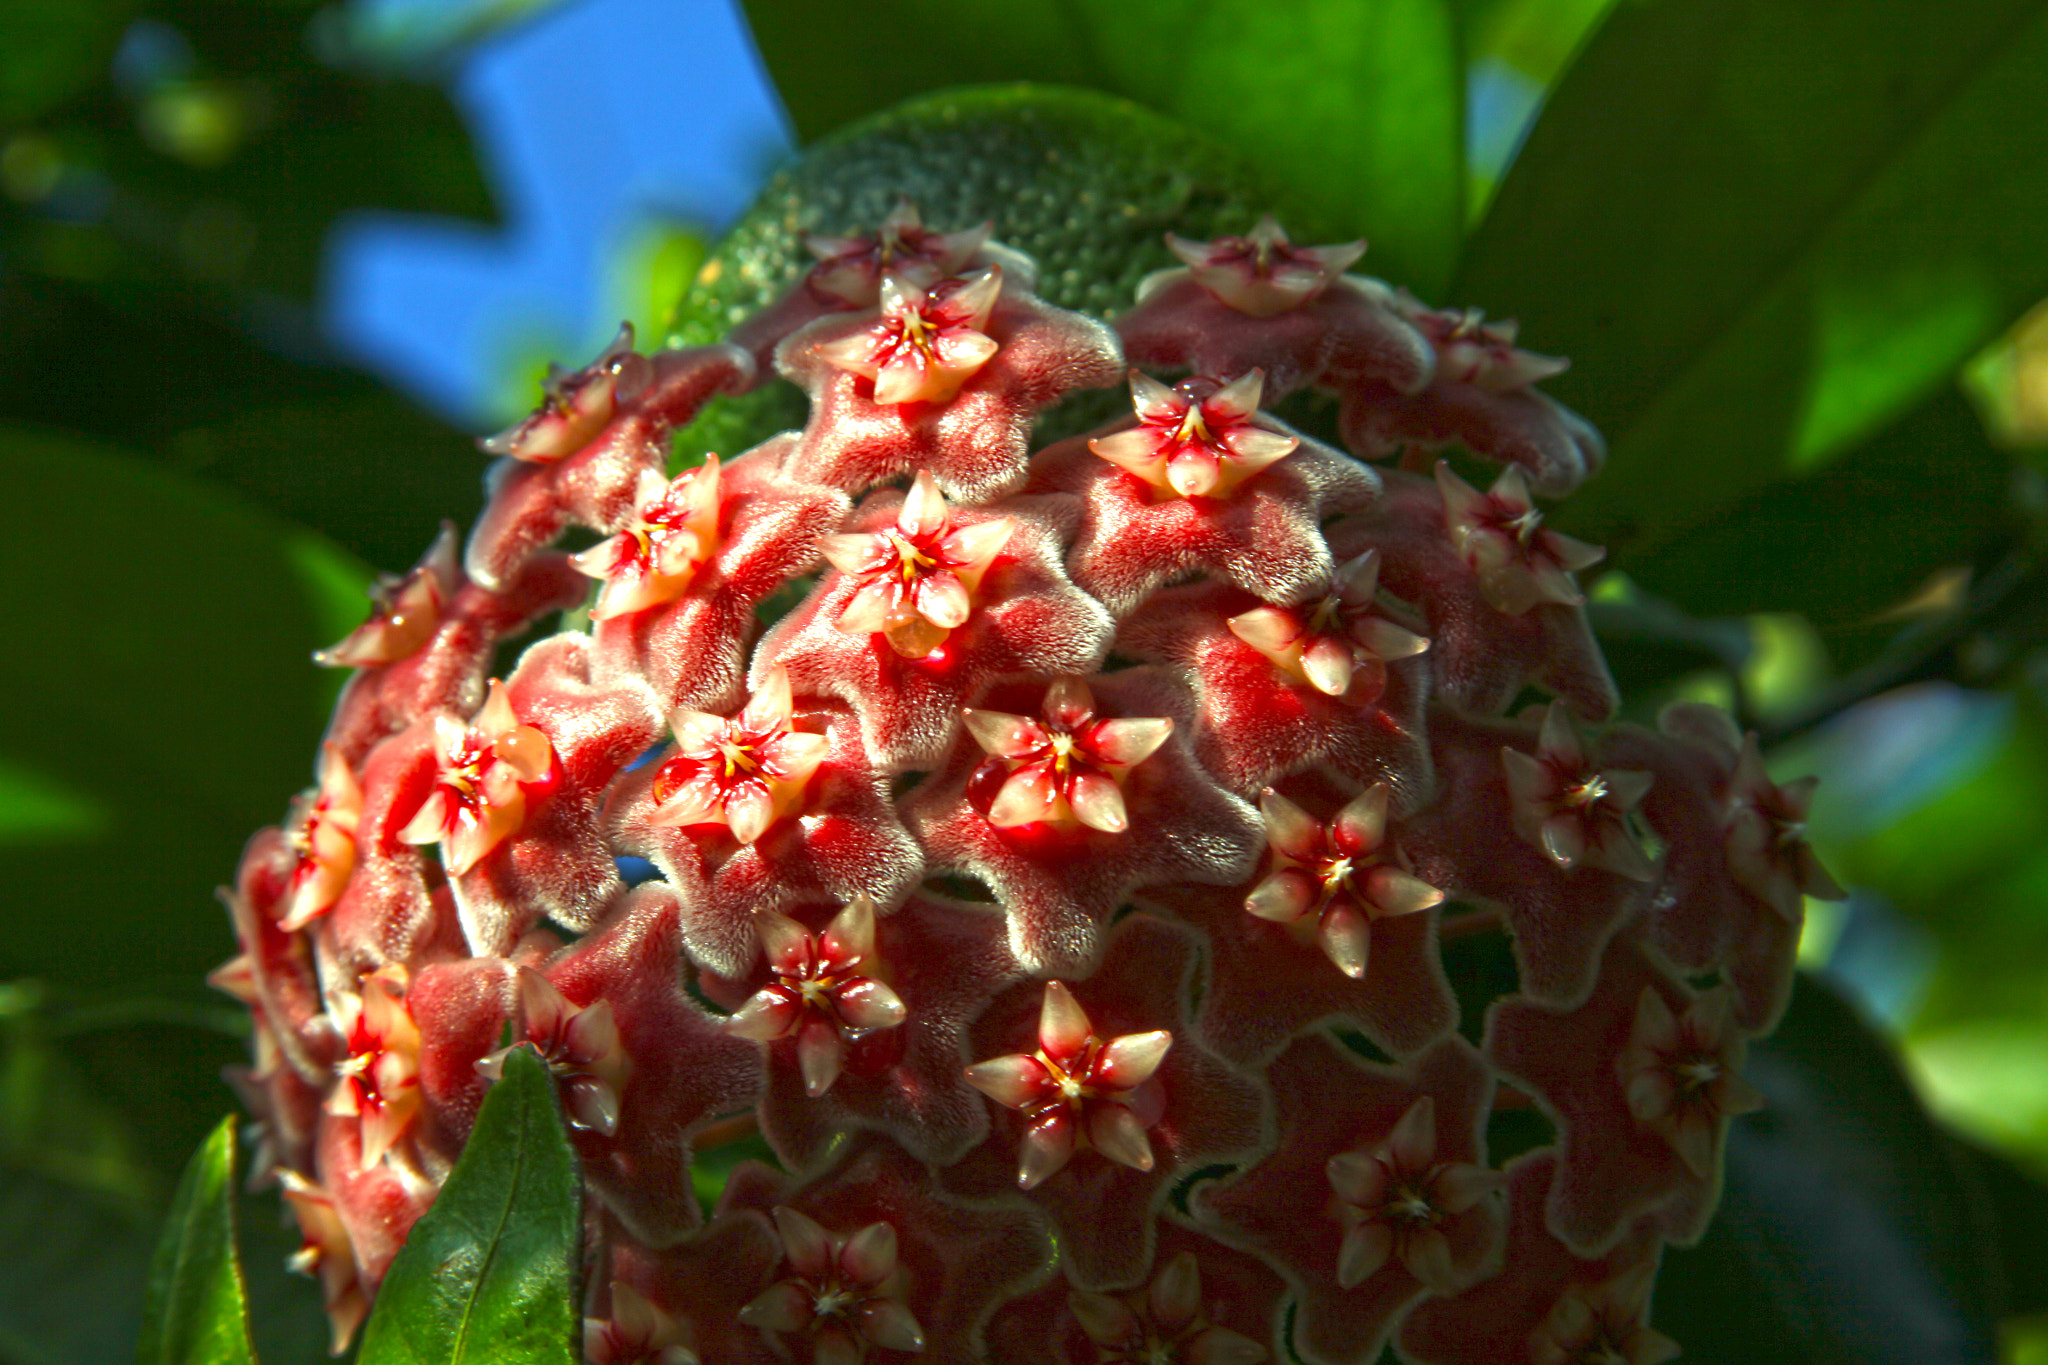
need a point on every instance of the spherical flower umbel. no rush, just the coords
(989, 715)
(1077, 1090)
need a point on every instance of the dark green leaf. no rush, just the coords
(486, 1275)
(195, 1313)
(1764, 228)
(1843, 544)
(162, 704)
(1356, 106)
(1851, 1229)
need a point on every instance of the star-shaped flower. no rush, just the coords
(941, 960)
(1258, 301)
(764, 531)
(1603, 1324)
(478, 798)
(1105, 1112)
(379, 1073)
(1465, 841)
(843, 1292)
(1379, 1196)
(670, 533)
(1331, 881)
(326, 1253)
(1262, 272)
(1394, 1199)
(1519, 562)
(580, 1046)
(1077, 1091)
(576, 404)
(1264, 534)
(636, 1333)
(676, 1070)
(927, 342)
(1067, 766)
(1735, 870)
(405, 610)
(952, 389)
(1509, 1317)
(322, 837)
(412, 661)
(1258, 721)
(827, 991)
(1637, 1097)
(1482, 397)
(1341, 637)
(1680, 1073)
(580, 461)
(846, 1290)
(1164, 1323)
(1025, 618)
(917, 578)
(1480, 658)
(1199, 439)
(1571, 809)
(853, 269)
(1203, 1304)
(745, 772)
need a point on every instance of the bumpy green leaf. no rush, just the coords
(1851, 1228)
(158, 675)
(485, 1277)
(195, 1313)
(1356, 105)
(1764, 228)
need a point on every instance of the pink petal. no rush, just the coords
(1346, 938)
(1063, 1027)
(1026, 796)
(1013, 1082)
(819, 1052)
(1362, 824)
(807, 1245)
(1292, 831)
(1284, 897)
(870, 1255)
(924, 508)
(1427, 1257)
(1394, 892)
(766, 1016)
(867, 1005)
(783, 1307)
(1175, 1294)
(1096, 801)
(1107, 1321)
(1116, 1132)
(1366, 1247)
(1047, 1146)
(1129, 1061)
(1358, 1178)
(1412, 1144)
(1004, 735)
(889, 1324)
(1327, 664)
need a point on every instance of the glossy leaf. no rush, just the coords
(1762, 229)
(1850, 541)
(487, 1274)
(1356, 105)
(160, 678)
(1850, 1228)
(195, 1313)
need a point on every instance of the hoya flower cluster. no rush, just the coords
(1059, 884)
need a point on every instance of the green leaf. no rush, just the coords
(1845, 543)
(162, 684)
(195, 1313)
(1357, 106)
(486, 1275)
(1762, 229)
(1851, 1228)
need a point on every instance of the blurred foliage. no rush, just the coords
(1768, 233)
